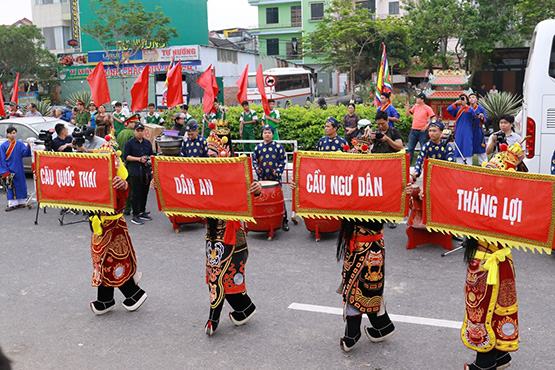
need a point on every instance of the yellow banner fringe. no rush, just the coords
(77, 207)
(351, 217)
(212, 215)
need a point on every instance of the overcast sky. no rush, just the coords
(221, 13)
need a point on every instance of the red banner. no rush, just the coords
(346, 185)
(514, 208)
(204, 187)
(80, 181)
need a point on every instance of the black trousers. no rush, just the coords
(488, 359)
(139, 195)
(106, 293)
(239, 302)
(352, 327)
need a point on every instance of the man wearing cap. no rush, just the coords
(386, 106)
(126, 135)
(195, 145)
(247, 125)
(83, 117)
(137, 156)
(269, 161)
(273, 119)
(331, 142)
(480, 120)
(12, 171)
(119, 117)
(464, 136)
(421, 114)
(152, 116)
(436, 148)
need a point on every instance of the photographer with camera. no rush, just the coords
(386, 139)
(63, 141)
(85, 140)
(464, 136)
(137, 154)
(505, 135)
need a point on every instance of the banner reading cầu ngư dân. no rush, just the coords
(514, 208)
(80, 181)
(204, 187)
(347, 185)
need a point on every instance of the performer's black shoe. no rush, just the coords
(473, 366)
(100, 308)
(348, 343)
(285, 226)
(503, 360)
(9, 209)
(145, 217)
(135, 302)
(239, 318)
(210, 327)
(392, 225)
(379, 335)
(137, 221)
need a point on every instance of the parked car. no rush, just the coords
(30, 127)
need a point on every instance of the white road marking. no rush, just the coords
(398, 318)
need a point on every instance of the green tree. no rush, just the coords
(348, 39)
(122, 35)
(529, 13)
(22, 50)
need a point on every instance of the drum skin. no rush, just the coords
(268, 208)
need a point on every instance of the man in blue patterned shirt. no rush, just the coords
(269, 160)
(195, 145)
(331, 142)
(436, 148)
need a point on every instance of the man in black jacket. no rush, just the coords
(137, 156)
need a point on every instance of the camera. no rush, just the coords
(45, 138)
(501, 137)
(79, 136)
(379, 135)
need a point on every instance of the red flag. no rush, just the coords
(2, 110)
(139, 91)
(175, 86)
(206, 82)
(15, 93)
(100, 93)
(215, 87)
(242, 84)
(262, 89)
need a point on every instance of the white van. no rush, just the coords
(538, 122)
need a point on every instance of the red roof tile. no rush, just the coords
(450, 80)
(445, 94)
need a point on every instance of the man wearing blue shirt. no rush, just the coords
(436, 148)
(195, 145)
(269, 162)
(387, 107)
(331, 142)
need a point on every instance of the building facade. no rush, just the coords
(53, 18)
(63, 20)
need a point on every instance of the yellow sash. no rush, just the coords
(98, 221)
(492, 263)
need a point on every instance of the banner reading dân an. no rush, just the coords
(80, 181)
(204, 187)
(514, 208)
(346, 185)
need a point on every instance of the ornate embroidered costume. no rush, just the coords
(362, 247)
(491, 315)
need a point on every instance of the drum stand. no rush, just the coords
(65, 212)
(460, 247)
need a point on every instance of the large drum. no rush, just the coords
(268, 209)
(322, 225)
(177, 221)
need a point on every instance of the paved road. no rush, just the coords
(45, 322)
